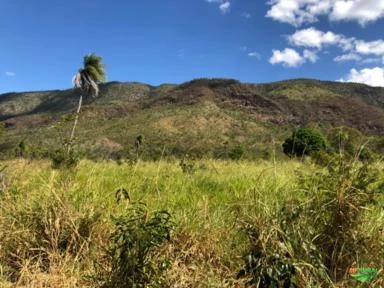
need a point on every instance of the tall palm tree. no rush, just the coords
(86, 79)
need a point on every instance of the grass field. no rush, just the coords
(56, 225)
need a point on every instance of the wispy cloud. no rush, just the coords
(10, 74)
(255, 55)
(310, 55)
(347, 57)
(246, 15)
(224, 5)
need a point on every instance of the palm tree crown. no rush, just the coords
(93, 72)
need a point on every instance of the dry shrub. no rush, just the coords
(32, 233)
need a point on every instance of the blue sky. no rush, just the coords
(43, 41)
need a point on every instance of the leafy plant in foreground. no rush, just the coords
(281, 252)
(136, 235)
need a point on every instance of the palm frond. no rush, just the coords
(95, 67)
(92, 73)
(88, 84)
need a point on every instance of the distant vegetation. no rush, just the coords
(201, 118)
(304, 141)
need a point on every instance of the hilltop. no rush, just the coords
(202, 116)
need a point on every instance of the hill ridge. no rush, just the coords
(200, 114)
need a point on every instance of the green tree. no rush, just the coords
(86, 79)
(304, 141)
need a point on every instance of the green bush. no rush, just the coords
(61, 159)
(187, 166)
(281, 252)
(136, 235)
(236, 152)
(304, 141)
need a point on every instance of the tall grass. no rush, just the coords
(55, 225)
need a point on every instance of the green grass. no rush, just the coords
(43, 208)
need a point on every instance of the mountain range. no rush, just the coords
(202, 116)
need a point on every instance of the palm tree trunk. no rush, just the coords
(75, 124)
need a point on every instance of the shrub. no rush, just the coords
(342, 194)
(351, 143)
(345, 139)
(304, 141)
(22, 149)
(39, 231)
(347, 189)
(323, 158)
(61, 159)
(236, 152)
(312, 243)
(187, 166)
(136, 235)
(281, 254)
(139, 141)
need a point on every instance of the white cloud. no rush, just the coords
(373, 47)
(224, 7)
(288, 58)
(10, 74)
(311, 37)
(299, 12)
(310, 55)
(362, 11)
(347, 57)
(354, 49)
(289, 11)
(369, 76)
(255, 55)
(246, 15)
